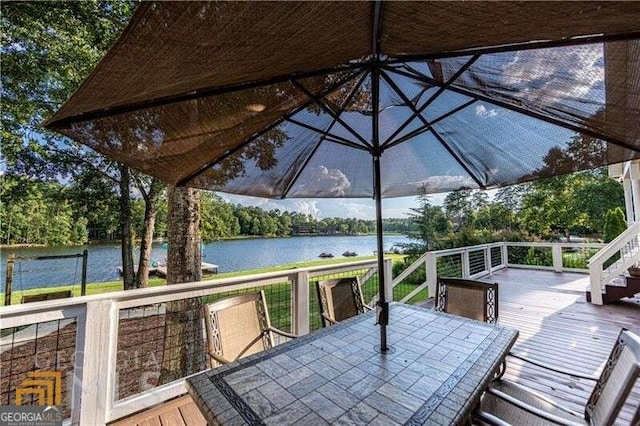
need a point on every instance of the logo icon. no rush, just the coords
(46, 385)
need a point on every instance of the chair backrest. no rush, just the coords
(237, 326)
(468, 298)
(340, 298)
(618, 377)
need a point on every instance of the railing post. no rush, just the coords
(300, 314)
(11, 259)
(83, 283)
(595, 278)
(431, 270)
(466, 270)
(504, 254)
(487, 259)
(556, 254)
(93, 384)
(388, 279)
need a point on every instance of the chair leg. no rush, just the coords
(501, 370)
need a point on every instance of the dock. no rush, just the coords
(161, 271)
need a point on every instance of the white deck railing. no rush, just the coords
(477, 261)
(93, 389)
(613, 260)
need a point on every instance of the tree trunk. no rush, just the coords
(142, 276)
(150, 211)
(183, 345)
(125, 228)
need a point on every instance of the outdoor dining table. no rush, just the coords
(435, 373)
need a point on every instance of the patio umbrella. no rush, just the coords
(364, 99)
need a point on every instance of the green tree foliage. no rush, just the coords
(614, 224)
(47, 49)
(217, 218)
(459, 207)
(569, 204)
(35, 212)
(431, 223)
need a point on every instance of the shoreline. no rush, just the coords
(111, 286)
(163, 241)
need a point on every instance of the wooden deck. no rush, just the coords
(181, 411)
(556, 326)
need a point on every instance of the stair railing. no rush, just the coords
(613, 260)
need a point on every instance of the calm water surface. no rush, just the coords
(231, 255)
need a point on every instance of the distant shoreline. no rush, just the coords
(161, 241)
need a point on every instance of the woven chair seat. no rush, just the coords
(237, 327)
(515, 414)
(340, 299)
(467, 298)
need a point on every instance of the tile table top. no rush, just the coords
(435, 374)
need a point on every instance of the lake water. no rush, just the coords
(229, 255)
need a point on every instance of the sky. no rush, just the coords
(359, 208)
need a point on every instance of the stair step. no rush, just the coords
(614, 291)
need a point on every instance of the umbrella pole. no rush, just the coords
(382, 308)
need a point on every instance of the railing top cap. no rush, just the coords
(123, 295)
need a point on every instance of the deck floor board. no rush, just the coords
(557, 326)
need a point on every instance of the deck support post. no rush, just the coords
(556, 255)
(431, 267)
(300, 314)
(94, 379)
(487, 259)
(466, 269)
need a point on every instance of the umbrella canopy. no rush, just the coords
(364, 99)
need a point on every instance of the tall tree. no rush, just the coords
(183, 345)
(150, 189)
(126, 227)
(431, 223)
(47, 49)
(459, 206)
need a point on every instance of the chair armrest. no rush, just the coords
(557, 370)
(283, 333)
(326, 317)
(218, 358)
(534, 410)
(487, 418)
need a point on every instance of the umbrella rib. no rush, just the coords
(330, 112)
(515, 47)
(441, 88)
(355, 89)
(457, 158)
(276, 123)
(429, 125)
(539, 116)
(325, 133)
(192, 95)
(377, 28)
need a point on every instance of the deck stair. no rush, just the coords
(619, 288)
(608, 268)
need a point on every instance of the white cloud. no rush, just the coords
(307, 207)
(324, 181)
(547, 81)
(445, 182)
(481, 111)
(361, 208)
